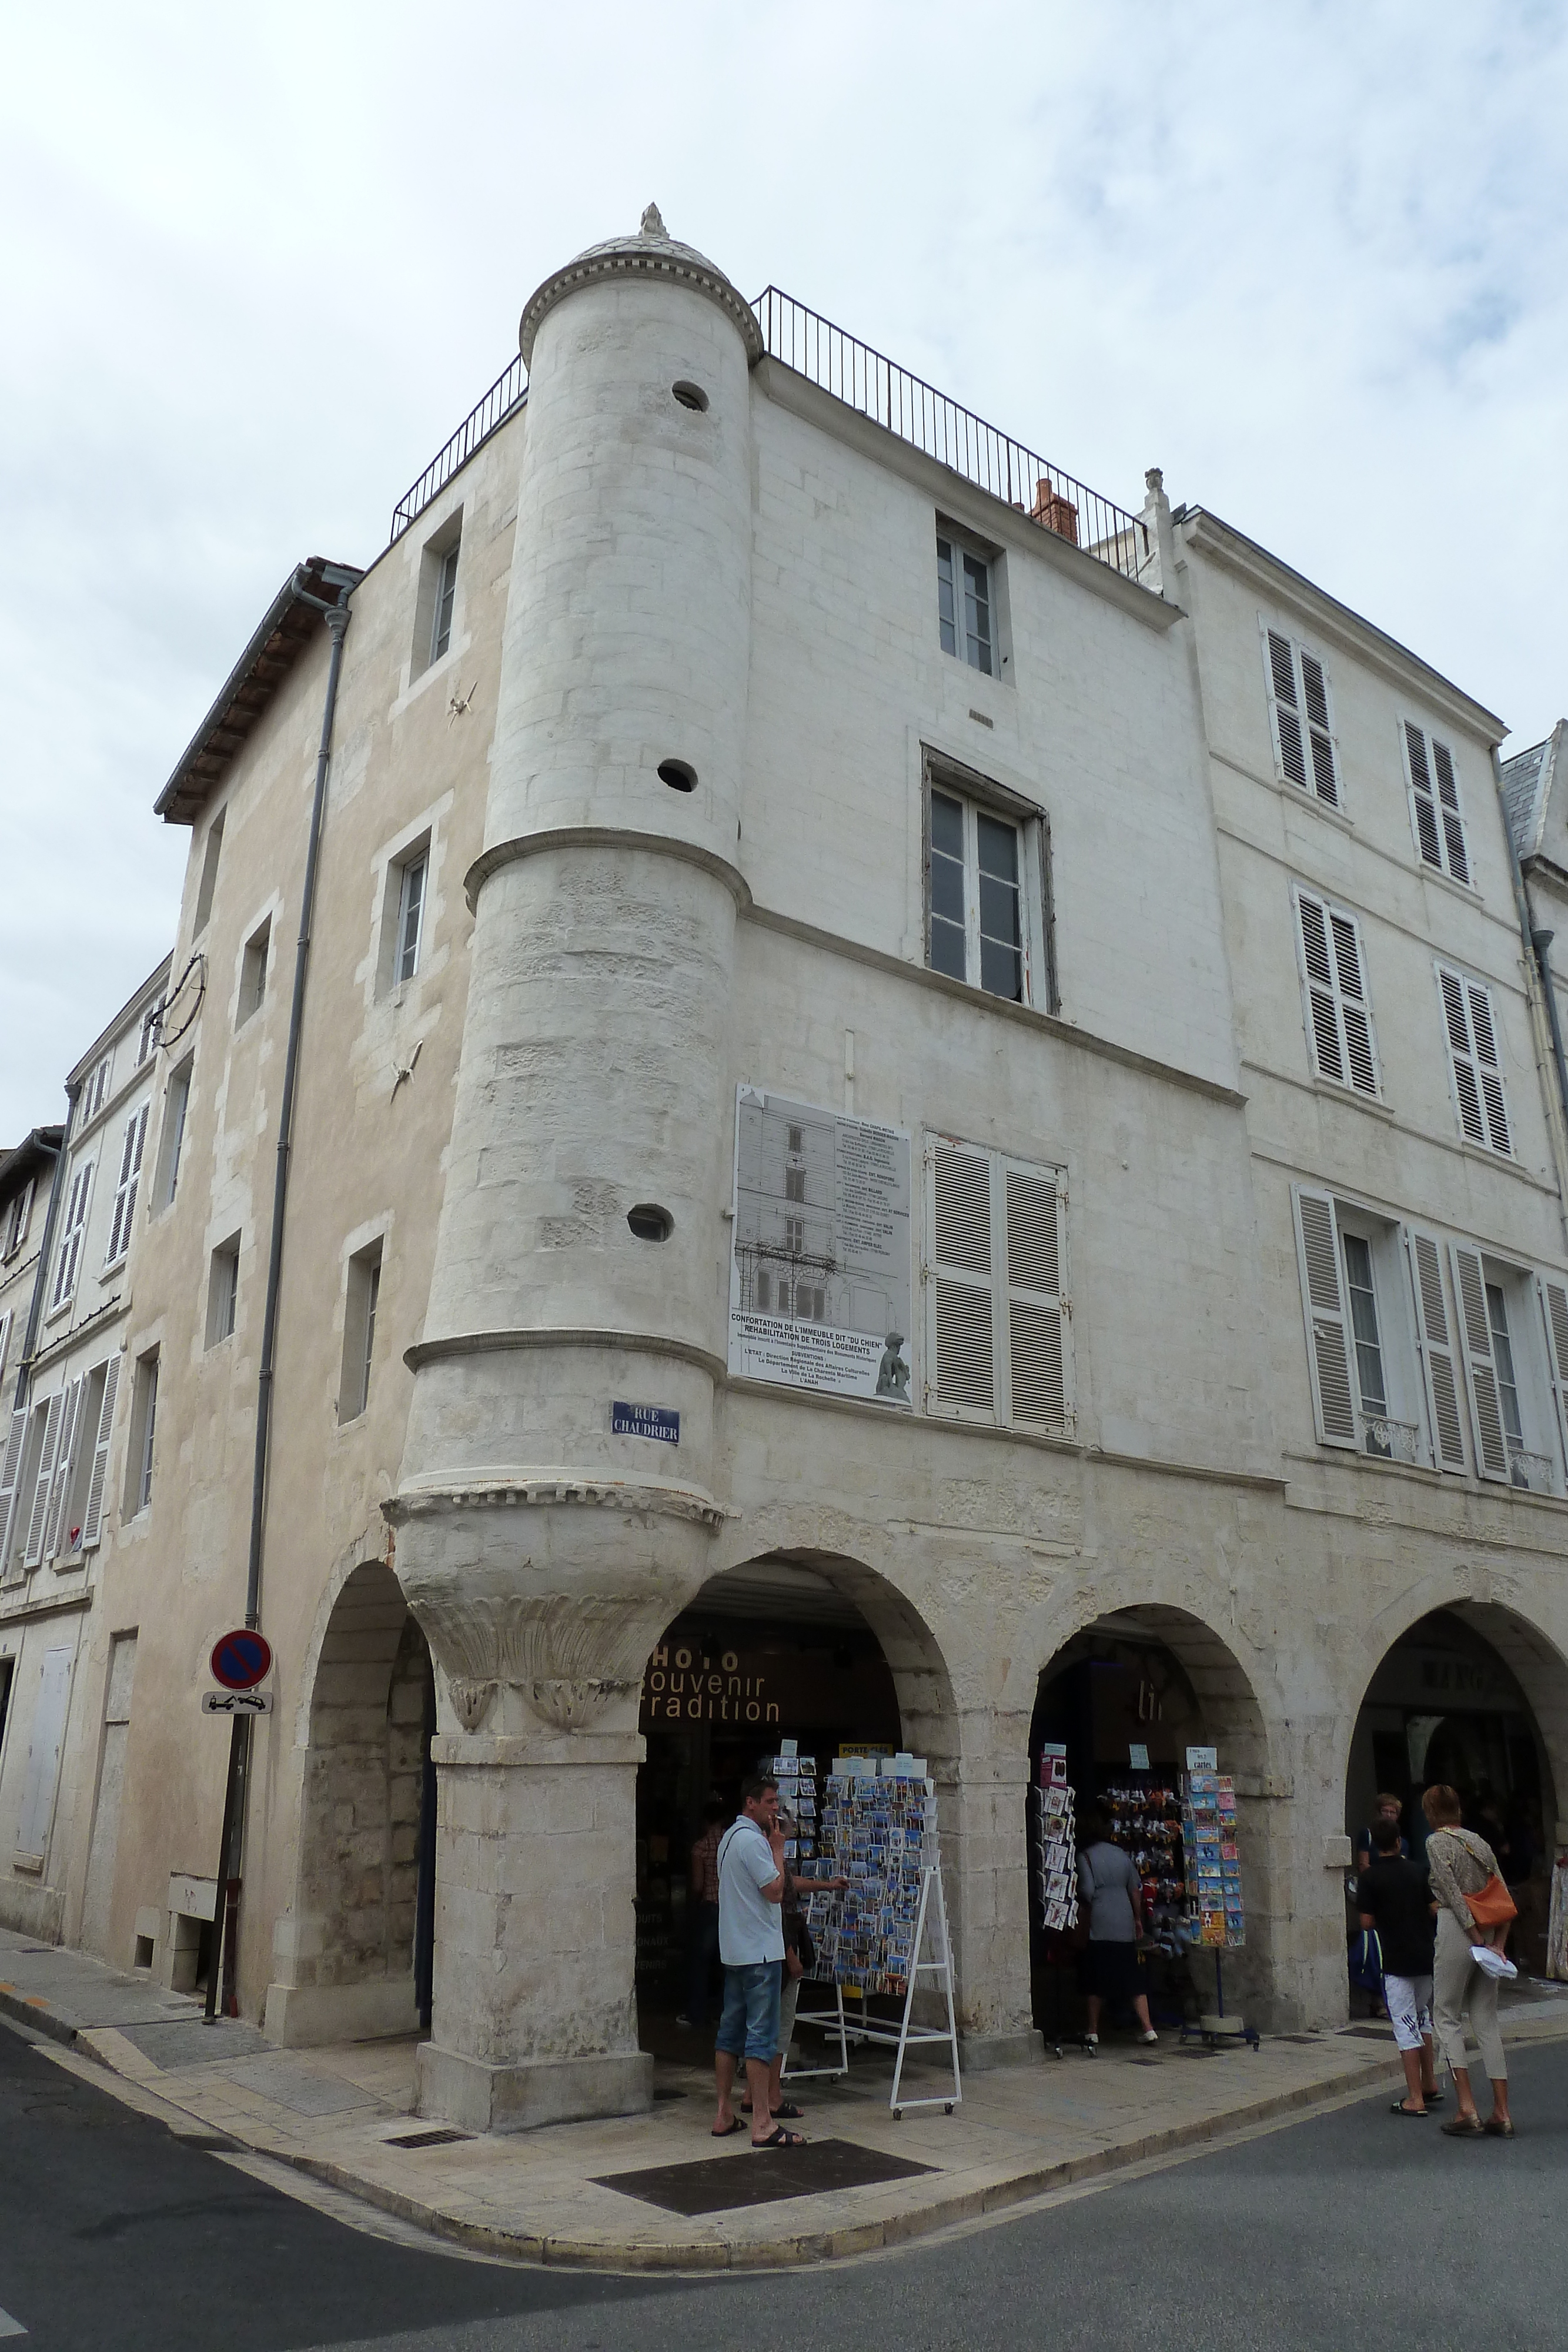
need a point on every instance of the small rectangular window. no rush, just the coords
(209, 881)
(176, 1108)
(253, 973)
(68, 1257)
(976, 915)
(223, 1291)
(794, 1183)
(1435, 812)
(143, 1427)
(964, 602)
(129, 1179)
(147, 1036)
(361, 1310)
(1474, 1064)
(95, 1093)
(435, 599)
(1299, 711)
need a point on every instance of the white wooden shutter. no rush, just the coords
(1339, 1017)
(70, 1242)
(43, 1482)
(1435, 809)
(1475, 1331)
(10, 1478)
(1285, 704)
(48, 1732)
(1553, 1297)
(125, 1192)
(5, 1339)
(960, 1348)
(93, 1517)
(1328, 1331)
(1436, 1351)
(65, 1466)
(1320, 731)
(1473, 1060)
(1040, 1357)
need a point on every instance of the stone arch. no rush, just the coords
(1228, 1683)
(344, 1956)
(1530, 1654)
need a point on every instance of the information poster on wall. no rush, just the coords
(819, 1274)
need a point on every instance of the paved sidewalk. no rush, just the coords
(343, 2114)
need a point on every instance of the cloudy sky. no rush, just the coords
(255, 268)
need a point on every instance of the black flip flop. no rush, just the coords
(781, 2140)
(729, 2130)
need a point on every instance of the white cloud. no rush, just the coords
(1312, 259)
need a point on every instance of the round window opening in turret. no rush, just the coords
(649, 1222)
(678, 775)
(690, 396)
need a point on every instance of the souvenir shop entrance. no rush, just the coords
(1122, 1704)
(765, 1654)
(1445, 1705)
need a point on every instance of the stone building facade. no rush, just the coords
(707, 735)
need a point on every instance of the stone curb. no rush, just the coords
(788, 2250)
(31, 2009)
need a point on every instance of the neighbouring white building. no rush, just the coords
(54, 1494)
(923, 1116)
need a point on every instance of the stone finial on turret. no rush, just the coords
(652, 224)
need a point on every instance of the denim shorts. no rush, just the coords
(748, 2027)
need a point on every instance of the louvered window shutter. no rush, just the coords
(1040, 1366)
(1436, 1351)
(93, 1517)
(1473, 1061)
(1287, 710)
(960, 1353)
(65, 1466)
(1475, 1331)
(10, 1478)
(70, 1246)
(1435, 803)
(125, 1192)
(1303, 730)
(1340, 1017)
(42, 1483)
(1328, 1338)
(5, 1339)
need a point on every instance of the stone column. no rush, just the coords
(580, 1256)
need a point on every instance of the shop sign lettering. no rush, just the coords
(682, 1684)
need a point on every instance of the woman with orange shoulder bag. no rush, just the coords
(1473, 1909)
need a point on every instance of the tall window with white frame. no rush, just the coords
(131, 1152)
(1474, 1063)
(410, 915)
(143, 1424)
(223, 1291)
(1367, 1342)
(176, 1108)
(1507, 1381)
(75, 1222)
(976, 926)
(446, 595)
(965, 604)
(361, 1308)
(1434, 812)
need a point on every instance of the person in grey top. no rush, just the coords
(1109, 1889)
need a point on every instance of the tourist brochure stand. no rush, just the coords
(799, 1798)
(1054, 1863)
(1217, 1920)
(888, 1933)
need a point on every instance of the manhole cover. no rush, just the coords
(717, 2184)
(428, 2139)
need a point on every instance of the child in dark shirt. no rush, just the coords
(1396, 1900)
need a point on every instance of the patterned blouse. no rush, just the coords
(1458, 1862)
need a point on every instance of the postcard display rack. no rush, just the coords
(888, 1933)
(1215, 1919)
(1054, 1849)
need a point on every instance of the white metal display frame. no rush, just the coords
(905, 2035)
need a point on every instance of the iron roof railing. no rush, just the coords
(876, 387)
(891, 396)
(508, 392)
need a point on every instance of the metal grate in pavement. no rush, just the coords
(718, 2184)
(428, 2139)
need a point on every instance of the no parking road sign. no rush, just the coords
(242, 1660)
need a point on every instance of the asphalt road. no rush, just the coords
(1348, 2229)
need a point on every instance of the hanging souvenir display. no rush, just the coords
(878, 1831)
(1053, 1847)
(1213, 1861)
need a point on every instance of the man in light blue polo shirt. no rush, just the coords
(751, 1946)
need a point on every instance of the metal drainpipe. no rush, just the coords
(1538, 943)
(45, 1249)
(222, 1960)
